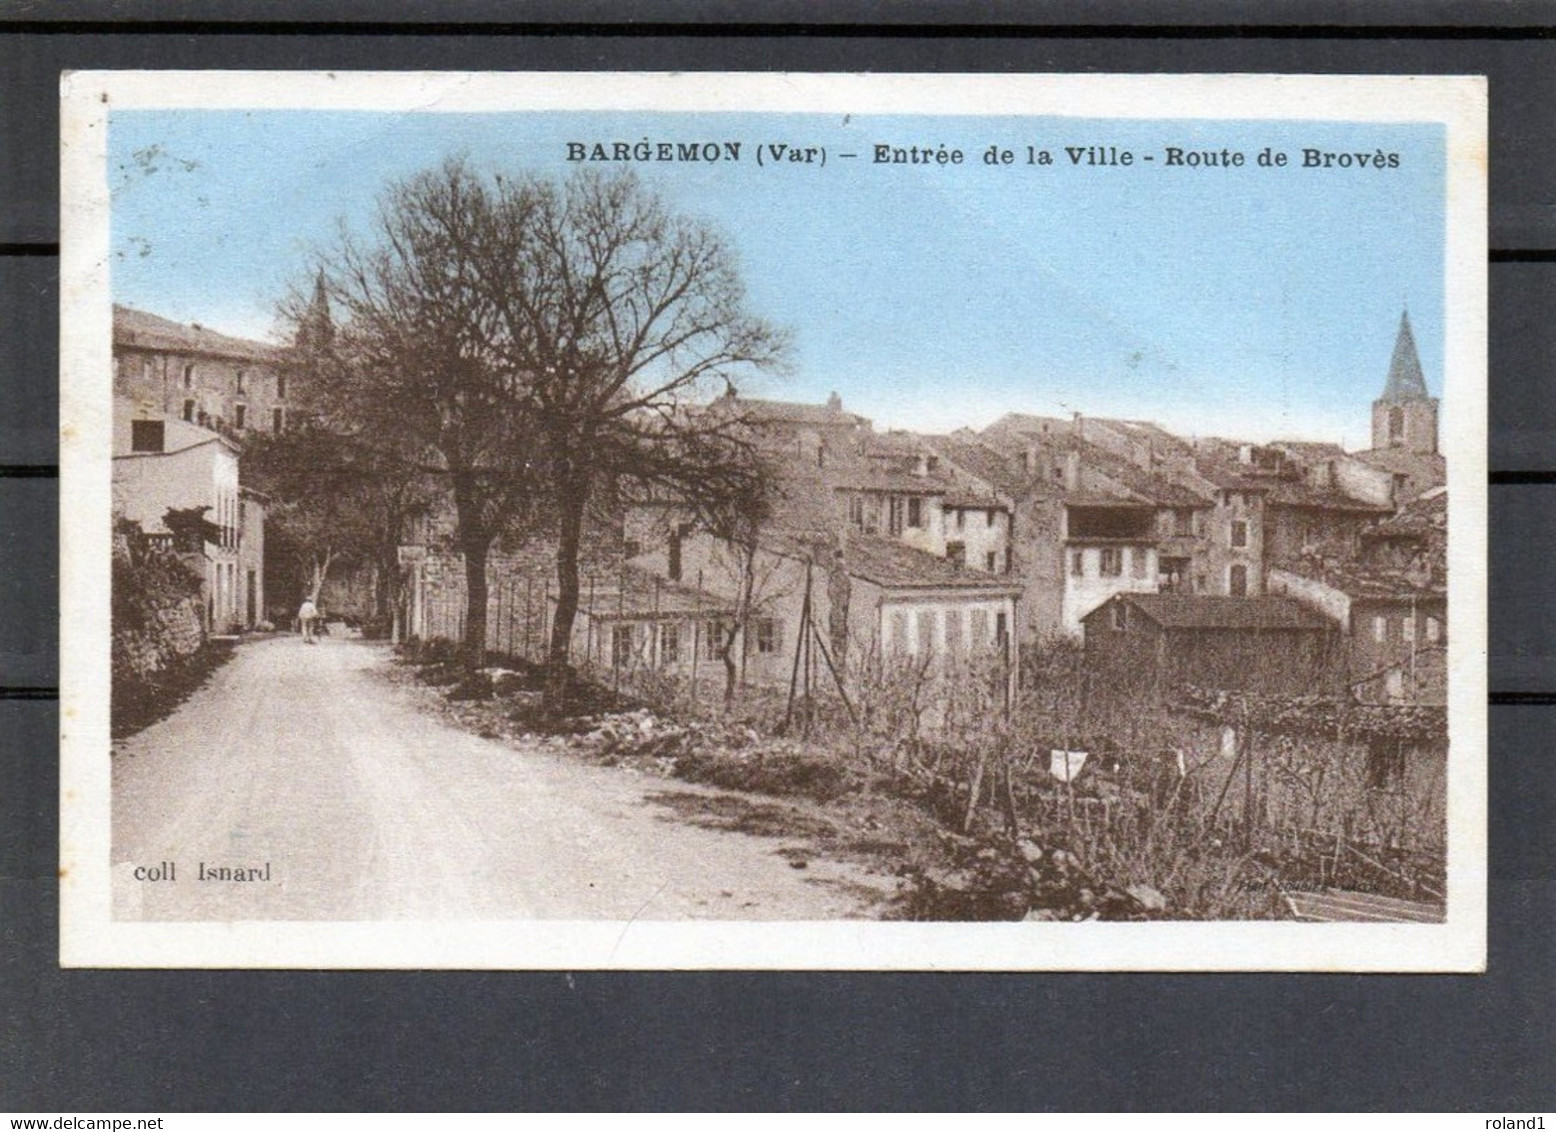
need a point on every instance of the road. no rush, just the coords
(305, 764)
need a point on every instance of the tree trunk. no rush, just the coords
(474, 542)
(569, 542)
(475, 603)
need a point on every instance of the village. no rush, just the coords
(1080, 624)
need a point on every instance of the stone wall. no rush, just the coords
(156, 607)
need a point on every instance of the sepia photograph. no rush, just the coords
(731, 521)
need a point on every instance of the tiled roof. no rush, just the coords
(895, 566)
(1362, 581)
(983, 462)
(637, 598)
(1201, 611)
(888, 563)
(792, 412)
(138, 328)
(1296, 493)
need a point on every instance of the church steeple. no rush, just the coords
(1405, 416)
(1406, 382)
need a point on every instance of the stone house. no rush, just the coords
(194, 374)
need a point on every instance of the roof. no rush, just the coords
(638, 598)
(1296, 493)
(1202, 611)
(793, 412)
(983, 462)
(1358, 580)
(890, 564)
(894, 565)
(139, 329)
(1405, 382)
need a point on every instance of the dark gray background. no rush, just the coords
(84, 1041)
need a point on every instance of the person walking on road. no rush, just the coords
(307, 614)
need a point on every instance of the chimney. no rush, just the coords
(1072, 471)
(1080, 425)
(834, 403)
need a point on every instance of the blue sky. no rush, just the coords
(1255, 301)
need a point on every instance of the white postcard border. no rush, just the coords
(90, 937)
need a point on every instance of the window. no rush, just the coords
(988, 517)
(1078, 564)
(1120, 615)
(669, 643)
(961, 519)
(240, 376)
(1408, 629)
(278, 419)
(621, 644)
(630, 548)
(189, 376)
(991, 561)
(1112, 561)
(1237, 581)
(713, 641)
(856, 511)
(1007, 560)
(675, 555)
(1434, 630)
(1183, 523)
(189, 410)
(1239, 533)
(954, 641)
(899, 633)
(281, 385)
(915, 511)
(1380, 629)
(894, 516)
(978, 627)
(956, 553)
(926, 632)
(240, 414)
(1396, 424)
(1139, 561)
(767, 636)
(146, 436)
(1001, 629)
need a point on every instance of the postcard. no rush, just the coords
(795, 521)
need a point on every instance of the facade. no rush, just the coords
(1150, 645)
(196, 375)
(857, 598)
(164, 465)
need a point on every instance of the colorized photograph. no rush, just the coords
(774, 521)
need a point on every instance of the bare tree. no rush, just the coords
(415, 365)
(621, 316)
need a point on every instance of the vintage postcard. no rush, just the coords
(774, 521)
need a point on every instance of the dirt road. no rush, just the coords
(303, 770)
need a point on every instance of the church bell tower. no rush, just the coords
(1405, 416)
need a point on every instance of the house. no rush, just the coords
(162, 465)
(855, 597)
(1389, 600)
(1150, 645)
(1078, 534)
(1395, 629)
(194, 374)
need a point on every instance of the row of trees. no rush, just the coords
(523, 352)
